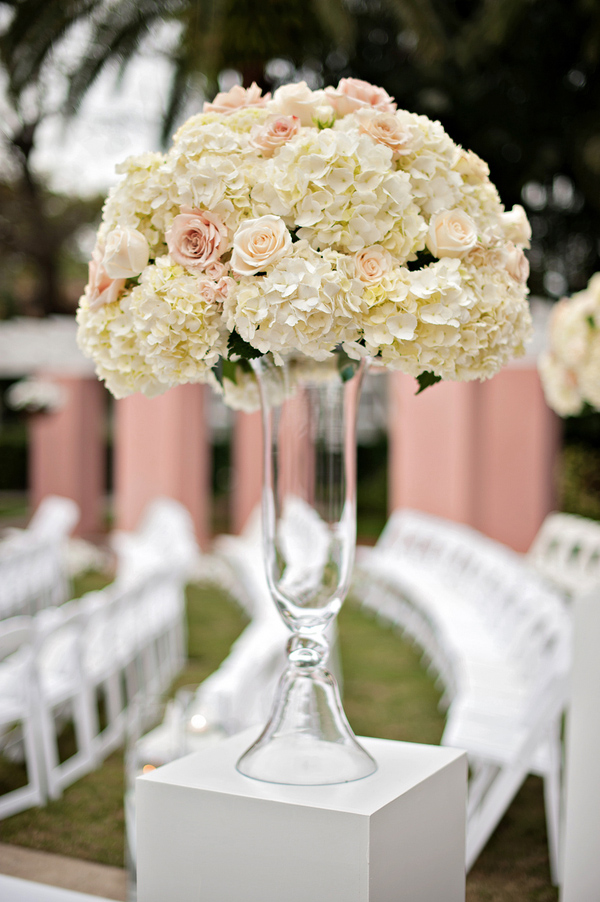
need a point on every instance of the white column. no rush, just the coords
(581, 862)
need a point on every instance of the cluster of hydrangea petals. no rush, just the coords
(570, 367)
(299, 223)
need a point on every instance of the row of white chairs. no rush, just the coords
(33, 569)
(566, 552)
(498, 638)
(108, 648)
(117, 647)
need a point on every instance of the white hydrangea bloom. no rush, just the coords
(295, 306)
(106, 335)
(141, 200)
(179, 333)
(340, 190)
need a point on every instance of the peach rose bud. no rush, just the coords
(354, 94)
(372, 263)
(385, 129)
(196, 239)
(126, 253)
(101, 289)
(274, 133)
(259, 243)
(237, 98)
(452, 233)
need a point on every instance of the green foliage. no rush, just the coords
(13, 456)
(237, 345)
(425, 380)
(579, 481)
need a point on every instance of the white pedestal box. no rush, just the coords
(205, 833)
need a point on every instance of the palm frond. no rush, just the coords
(488, 28)
(32, 35)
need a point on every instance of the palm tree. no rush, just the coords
(211, 35)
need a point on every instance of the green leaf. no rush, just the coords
(425, 380)
(229, 371)
(591, 321)
(237, 345)
(424, 258)
(346, 365)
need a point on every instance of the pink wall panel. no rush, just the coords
(478, 453)
(162, 448)
(246, 468)
(66, 450)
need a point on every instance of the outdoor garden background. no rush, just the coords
(514, 80)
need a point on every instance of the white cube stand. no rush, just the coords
(205, 833)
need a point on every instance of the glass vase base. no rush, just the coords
(308, 740)
(305, 761)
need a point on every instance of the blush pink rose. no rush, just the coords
(355, 94)
(237, 98)
(216, 269)
(207, 290)
(101, 289)
(387, 130)
(275, 132)
(224, 287)
(196, 239)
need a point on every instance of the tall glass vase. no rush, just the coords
(309, 535)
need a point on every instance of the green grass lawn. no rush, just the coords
(387, 693)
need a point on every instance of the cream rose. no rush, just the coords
(372, 263)
(196, 239)
(126, 253)
(452, 233)
(516, 226)
(354, 94)
(237, 98)
(386, 129)
(517, 264)
(258, 243)
(275, 132)
(101, 288)
(298, 100)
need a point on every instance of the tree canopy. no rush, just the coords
(515, 80)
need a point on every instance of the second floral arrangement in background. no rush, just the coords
(570, 368)
(306, 222)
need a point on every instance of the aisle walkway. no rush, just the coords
(68, 873)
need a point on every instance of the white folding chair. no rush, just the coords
(19, 712)
(64, 695)
(566, 551)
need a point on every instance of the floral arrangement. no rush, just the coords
(570, 368)
(33, 395)
(314, 222)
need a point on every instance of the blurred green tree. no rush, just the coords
(40, 273)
